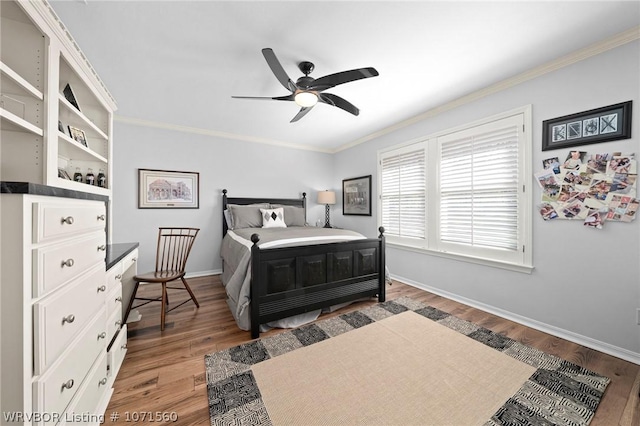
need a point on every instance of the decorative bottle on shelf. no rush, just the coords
(102, 179)
(90, 178)
(77, 176)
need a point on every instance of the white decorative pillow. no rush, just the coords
(273, 218)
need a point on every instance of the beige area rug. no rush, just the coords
(396, 363)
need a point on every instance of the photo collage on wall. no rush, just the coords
(592, 188)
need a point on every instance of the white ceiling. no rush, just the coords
(179, 62)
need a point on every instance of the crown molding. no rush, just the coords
(620, 39)
(214, 133)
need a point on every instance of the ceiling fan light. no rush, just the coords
(306, 99)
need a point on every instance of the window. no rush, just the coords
(463, 192)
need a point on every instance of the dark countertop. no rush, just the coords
(117, 252)
(51, 191)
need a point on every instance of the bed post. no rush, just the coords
(255, 286)
(224, 207)
(304, 205)
(382, 279)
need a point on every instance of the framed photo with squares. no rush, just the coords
(604, 124)
(78, 135)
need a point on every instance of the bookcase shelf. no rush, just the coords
(38, 59)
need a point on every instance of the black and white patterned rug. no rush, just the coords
(558, 393)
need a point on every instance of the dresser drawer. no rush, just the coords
(53, 390)
(114, 276)
(114, 300)
(129, 261)
(56, 264)
(116, 354)
(90, 396)
(60, 317)
(114, 323)
(60, 219)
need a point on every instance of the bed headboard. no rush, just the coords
(297, 202)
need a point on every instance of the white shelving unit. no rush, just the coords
(38, 59)
(61, 345)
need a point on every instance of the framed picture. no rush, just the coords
(164, 189)
(604, 124)
(78, 135)
(62, 173)
(356, 196)
(68, 94)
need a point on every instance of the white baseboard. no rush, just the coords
(588, 342)
(203, 273)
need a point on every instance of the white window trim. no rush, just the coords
(429, 246)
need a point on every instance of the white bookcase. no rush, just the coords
(38, 59)
(62, 340)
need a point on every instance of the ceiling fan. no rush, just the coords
(307, 91)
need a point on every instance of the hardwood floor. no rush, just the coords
(164, 371)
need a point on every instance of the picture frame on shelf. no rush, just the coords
(166, 189)
(604, 124)
(356, 196)
(69, 95)
(78, 135)
(62, 173)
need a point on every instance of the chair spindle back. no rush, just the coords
(174, 246)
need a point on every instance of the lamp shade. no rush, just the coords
(306, 99)
(326, 197)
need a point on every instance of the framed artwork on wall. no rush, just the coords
(604, 124)
(356, 196)
(164, 189)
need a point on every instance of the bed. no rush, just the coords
(281, 271)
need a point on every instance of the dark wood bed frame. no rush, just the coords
(287, 281)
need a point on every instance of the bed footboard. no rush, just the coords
(292, 280)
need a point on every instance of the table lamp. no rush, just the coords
(327, 198)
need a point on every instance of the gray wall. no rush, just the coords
(586, 283)
(245, 169)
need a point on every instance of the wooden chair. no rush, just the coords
(174, 246)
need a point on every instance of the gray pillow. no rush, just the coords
(246, 216)
(293, 216)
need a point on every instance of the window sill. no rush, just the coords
(526, 269)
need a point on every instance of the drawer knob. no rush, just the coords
(103, 381)
(118, 323)
(123, 346)
(102, 335)
(118, 299)
(68, 262)
(69, 318)
(134, 259)
(68, 220)
(101, 217)
(102, 248)
(119, 277)
(102, 288)
(68, 384)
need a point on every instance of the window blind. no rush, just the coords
(479, 187)
(403, 195)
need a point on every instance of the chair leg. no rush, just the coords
(133, 296)
(164, 304)
(193, 297)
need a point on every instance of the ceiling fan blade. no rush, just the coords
(277, 69)
(303, 111)
(277, 98)
(339, 102)
(333, 80)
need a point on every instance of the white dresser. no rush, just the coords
(61, 335)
